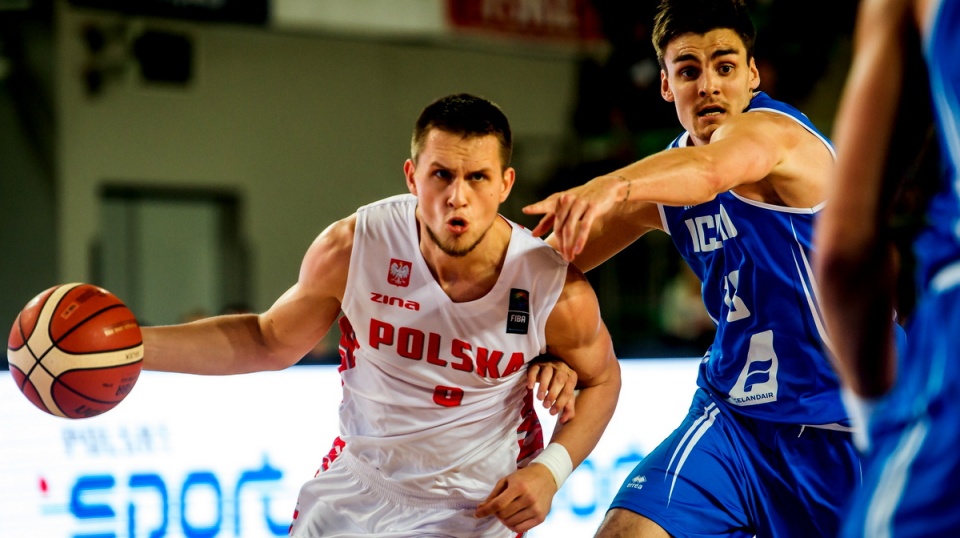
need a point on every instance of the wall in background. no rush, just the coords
(303, 127)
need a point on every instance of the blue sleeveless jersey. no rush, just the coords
(908, 485)
(939, 243)
(768, 358)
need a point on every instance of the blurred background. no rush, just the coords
(184, 154)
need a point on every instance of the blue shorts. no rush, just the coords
(723, 474)
(912, 471)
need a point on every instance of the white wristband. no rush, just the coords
(556, 458)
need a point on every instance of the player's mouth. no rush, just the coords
(457, 225)
(711, 111)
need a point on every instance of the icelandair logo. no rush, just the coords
(757, 383)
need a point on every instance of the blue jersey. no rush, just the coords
(939, 244)
(908, 485)
(768, 358)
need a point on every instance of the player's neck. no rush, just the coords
(470, 277)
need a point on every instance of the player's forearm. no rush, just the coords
(677, 177)
(858, 308)
(669, 177)
(853, 262)
(219, 345)
(595, 407)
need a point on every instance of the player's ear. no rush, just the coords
(408, 169)
(665, 90)
(754, 75)
(509, 177)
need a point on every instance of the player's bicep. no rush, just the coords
(576, 333)
(750, 147)
(306, 311)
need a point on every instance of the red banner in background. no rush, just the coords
(558, 20)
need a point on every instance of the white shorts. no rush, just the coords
(352, 499)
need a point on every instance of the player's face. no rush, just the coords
(709, 79)
(460, 184)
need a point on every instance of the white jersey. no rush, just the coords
(434, 391)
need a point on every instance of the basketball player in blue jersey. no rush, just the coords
(445, 305)
(910, 406)
(766, 448)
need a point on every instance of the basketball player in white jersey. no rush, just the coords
(766, 448)
(908, 404)
(444, 303)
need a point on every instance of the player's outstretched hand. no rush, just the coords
(521, 500)
(571, 213)
(557, 385)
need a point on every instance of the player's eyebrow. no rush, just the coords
(483, 170)
(690, 57)
(723, 52)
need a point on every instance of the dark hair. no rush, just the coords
(677, 17)
(465, 115)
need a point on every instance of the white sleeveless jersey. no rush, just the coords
(434, 392)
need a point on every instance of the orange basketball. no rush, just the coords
(75, 350)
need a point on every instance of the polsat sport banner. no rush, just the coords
(197, 456)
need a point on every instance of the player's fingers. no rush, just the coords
(583, 231)
(546, 376)
(552, 388)
(494, 502)
(568, 411)
(569, 212)
(578, 228)
(543, 206)
(559, 220)
(533, 374)
(562, 391)
(544, 226)
(523, 520)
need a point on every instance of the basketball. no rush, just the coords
(75, 350)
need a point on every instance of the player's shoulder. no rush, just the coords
(761, 101)
(534, 247)
(336, 240)
(779, 111)
(396, 202)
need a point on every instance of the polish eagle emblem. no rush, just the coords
(399, 272)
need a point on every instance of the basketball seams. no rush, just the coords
(65, 381)
(73, 382)
(82, 322)
(94, 360)
(35, 305)
(41, 339)
(78, 324)
(21, 336)
(44, 379)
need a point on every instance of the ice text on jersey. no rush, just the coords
(708, 232)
